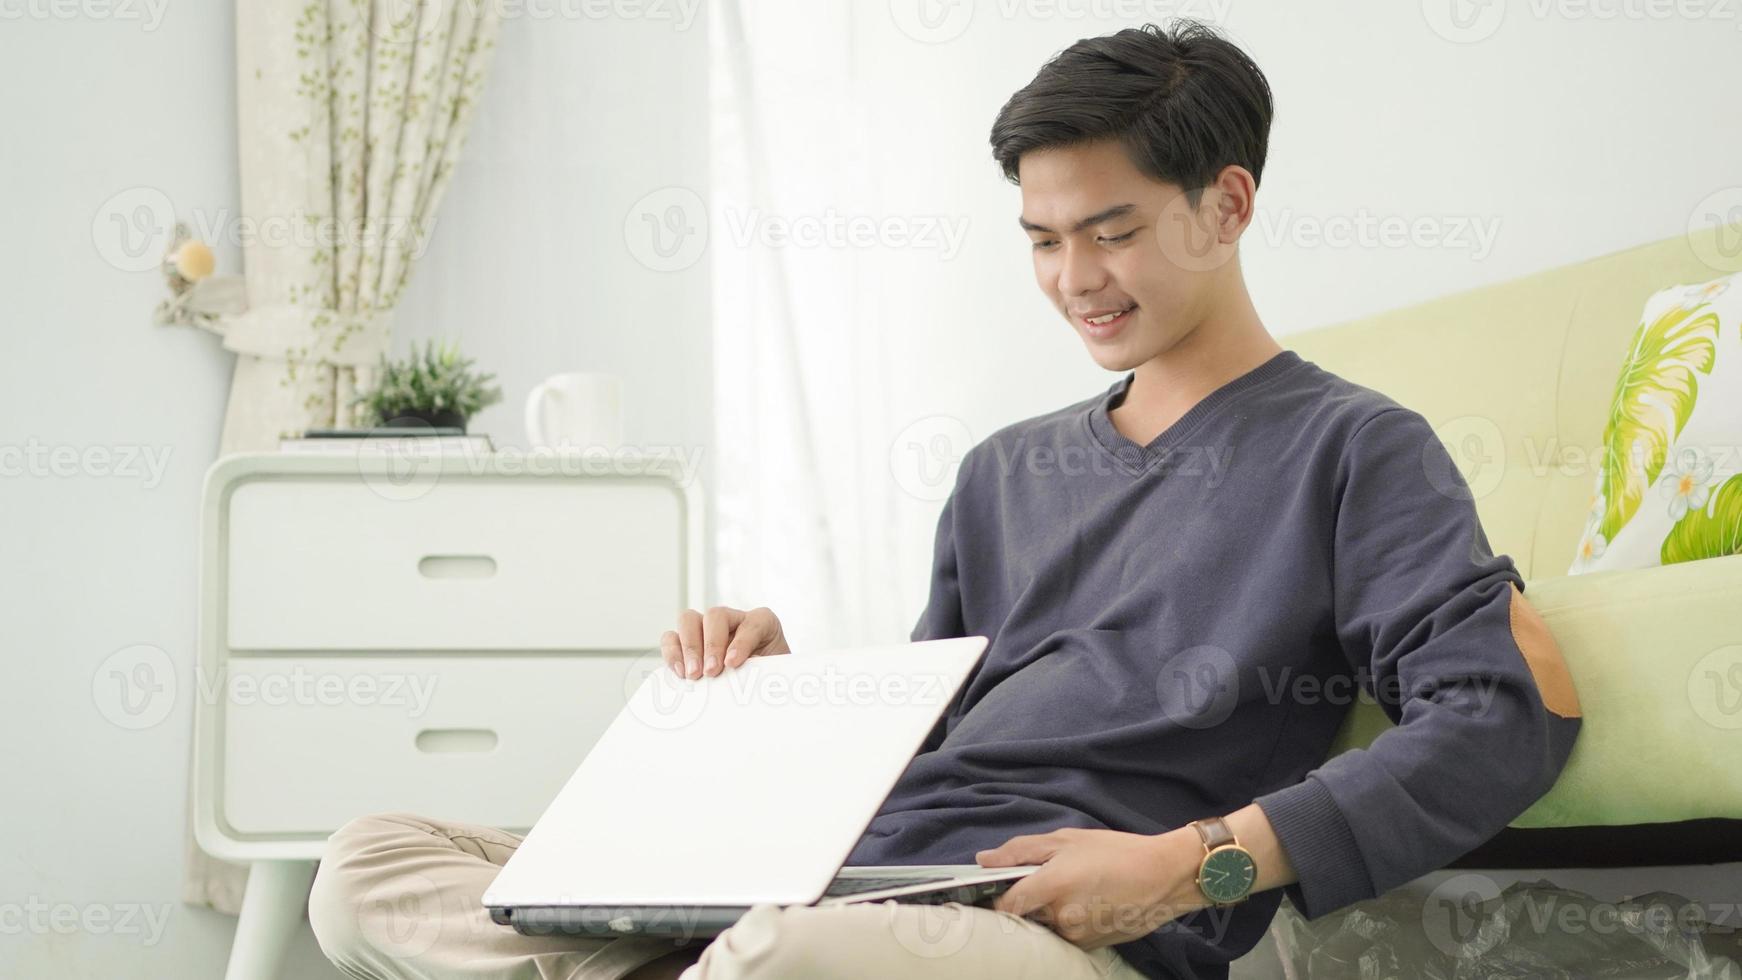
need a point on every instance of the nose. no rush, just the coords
(1080, 272)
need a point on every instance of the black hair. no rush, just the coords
(1182, 99)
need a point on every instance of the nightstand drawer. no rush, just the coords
(468, 563)
(311, 742)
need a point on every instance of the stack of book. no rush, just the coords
(384, 439)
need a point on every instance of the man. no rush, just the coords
(1185, 580)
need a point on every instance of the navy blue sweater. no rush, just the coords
(1179, 629)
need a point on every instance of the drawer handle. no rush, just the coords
(457, 566)
(456, 740)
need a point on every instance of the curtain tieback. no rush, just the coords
(303, 333)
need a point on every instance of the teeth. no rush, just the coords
(1107, 318)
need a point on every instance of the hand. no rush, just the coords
(720, 638)
(1101, 887)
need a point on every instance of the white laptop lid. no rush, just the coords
(740, 789)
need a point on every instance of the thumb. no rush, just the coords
(1027, 895)
(1027, 849)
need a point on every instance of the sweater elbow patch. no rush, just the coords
(1548, 669)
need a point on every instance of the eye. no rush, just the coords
(1118, 238)
(1042, 246)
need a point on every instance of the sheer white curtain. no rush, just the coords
(875, 311)
(811, 521)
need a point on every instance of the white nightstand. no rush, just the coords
(448, 636)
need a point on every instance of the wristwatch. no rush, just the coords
(1226, 873)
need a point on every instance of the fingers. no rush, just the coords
(1030, 897)
(1027, 849)
(708, 643)
(718, 624)
(758, 635)
(689, 631)
(671, 648)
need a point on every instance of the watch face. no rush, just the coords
(1227, 874)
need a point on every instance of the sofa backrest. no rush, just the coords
(1518, 377)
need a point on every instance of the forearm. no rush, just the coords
(1252, 829)
(1183, 849)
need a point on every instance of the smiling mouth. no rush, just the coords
(1106, 323)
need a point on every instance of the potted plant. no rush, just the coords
(433, 387)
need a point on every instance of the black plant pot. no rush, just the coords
(445, 418)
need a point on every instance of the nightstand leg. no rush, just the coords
(271, 912)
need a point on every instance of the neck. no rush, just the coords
(1222, 347)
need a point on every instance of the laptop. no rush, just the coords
(705, 797)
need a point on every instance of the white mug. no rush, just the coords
(576, 410)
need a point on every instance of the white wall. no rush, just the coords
(92, 814)
(1581, 136)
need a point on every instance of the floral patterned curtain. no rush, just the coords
(352, 116)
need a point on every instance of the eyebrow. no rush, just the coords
(1116, 211)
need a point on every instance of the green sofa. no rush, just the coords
(1518, 377)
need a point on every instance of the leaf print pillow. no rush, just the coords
(1668, 486)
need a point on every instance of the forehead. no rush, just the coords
(1064, 184)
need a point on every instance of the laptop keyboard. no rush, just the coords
(856, 885)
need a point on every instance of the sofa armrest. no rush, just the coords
(1656, 657)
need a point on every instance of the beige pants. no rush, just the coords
(399, 896)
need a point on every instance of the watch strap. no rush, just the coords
(1214, 832)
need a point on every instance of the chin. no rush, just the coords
(1118, 360)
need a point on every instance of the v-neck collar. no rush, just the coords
(1140, 458)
